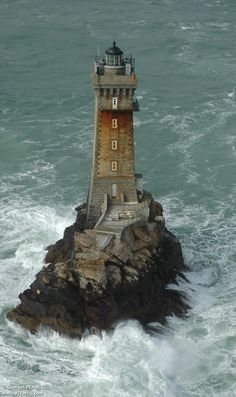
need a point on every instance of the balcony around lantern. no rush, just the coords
(111, 81)
(126, 64)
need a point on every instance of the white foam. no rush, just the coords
(28, 229)
(130, 361)
(183, 27)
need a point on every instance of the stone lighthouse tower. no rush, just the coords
(113, 183)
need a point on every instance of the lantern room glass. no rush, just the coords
(113, 60)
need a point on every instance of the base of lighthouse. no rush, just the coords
(106, 194)
(93, 280)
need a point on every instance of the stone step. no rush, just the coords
(103, 239)
(117, 218)
(120, 222)
(116, 215)
(112, 215)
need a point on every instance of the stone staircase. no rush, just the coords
(117, 218)
(125, 213)
(103, 239)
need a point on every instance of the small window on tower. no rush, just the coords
(114, 165)
(114, 145)
(114, 123)
(114, 102)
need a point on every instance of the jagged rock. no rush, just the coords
(114, 275)
(62, 249)
(84, 287)
(155, 209)
(81, 217)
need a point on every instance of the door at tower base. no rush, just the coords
(114, 190)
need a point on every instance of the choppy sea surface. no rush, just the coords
(185, 138)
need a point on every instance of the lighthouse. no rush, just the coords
(114, 187)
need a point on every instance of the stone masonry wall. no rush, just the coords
(100, 187)
(103, 175)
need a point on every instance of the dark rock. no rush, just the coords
(62, 250)
(84, 287)
(81, 217)
(155, 209)
(59, 252)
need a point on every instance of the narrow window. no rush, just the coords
(114, 123)
(114, 145)
(114, 165)
(114, 102)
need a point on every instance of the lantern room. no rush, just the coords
(114, 56)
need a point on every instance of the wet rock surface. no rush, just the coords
(83, 287)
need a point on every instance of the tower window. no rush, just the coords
(114, 102)
(114, 145)
(114, 165)
(114, 123)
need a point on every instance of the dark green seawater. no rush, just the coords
(185, 139)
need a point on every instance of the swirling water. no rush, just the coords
(186, 149)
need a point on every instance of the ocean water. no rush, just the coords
(185, 146)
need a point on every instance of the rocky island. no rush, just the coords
(117, 260)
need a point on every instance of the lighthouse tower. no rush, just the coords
(113, 182)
